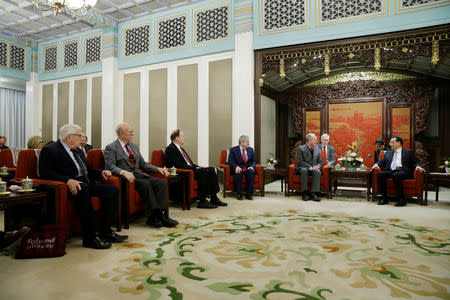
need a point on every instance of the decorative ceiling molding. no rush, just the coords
(22, 21)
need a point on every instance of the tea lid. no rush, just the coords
(26, 179)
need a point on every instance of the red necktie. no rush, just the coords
(131, 156)
(186, 157)
(245, 159)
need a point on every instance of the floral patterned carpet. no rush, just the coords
(289, 254)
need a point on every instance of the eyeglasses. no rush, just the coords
(41, 142)
(78, 135)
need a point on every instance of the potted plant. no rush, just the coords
(271, 161)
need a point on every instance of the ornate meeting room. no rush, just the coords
(224, 149)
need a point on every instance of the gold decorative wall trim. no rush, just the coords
(363, 75)
(400, 10)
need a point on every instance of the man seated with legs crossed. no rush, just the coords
(122, 157)
(398, 164)
(208, 184)
(309, 163)
(242, 163)
(64, 161)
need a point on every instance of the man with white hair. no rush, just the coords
(64, 161)
(123, 157)
(309, 163)
(325, 146)
(242, 162)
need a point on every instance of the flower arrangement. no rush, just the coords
(446, 166)
(271, 161)
(351, 159)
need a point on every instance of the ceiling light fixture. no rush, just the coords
(73, 8)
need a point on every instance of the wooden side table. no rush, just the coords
(356, 178)
(274, 174)
(181, 178)
(13, 199)
(435, 178)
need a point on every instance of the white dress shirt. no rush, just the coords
(185, 159)
(73, 158)
(399, 158)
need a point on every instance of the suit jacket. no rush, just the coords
(306, 160)
(409, 162)
(4, 147)
(330, 154)
(376, 153)
(87, 147)
(235, 158)
(174, 158)
(56, 164)
(117, 160)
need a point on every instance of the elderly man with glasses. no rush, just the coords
(63, 161)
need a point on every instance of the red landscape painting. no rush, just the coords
(313, 123)
(401, 124)
(349, 121)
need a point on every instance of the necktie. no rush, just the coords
(394, 161)
(84, 151)
(245, 159)
(81, 164)
(186, 157)
(130, 156)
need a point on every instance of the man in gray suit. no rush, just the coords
(122, 157)
(309, 163)
(325, 146)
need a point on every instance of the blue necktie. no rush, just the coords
(394, 161)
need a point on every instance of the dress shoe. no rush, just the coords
(314, 197)
(206, 204)
(382, 202)
(112, 237)
(239, 197)
(167, 222)
(12, 237)
(305, 197)
(249, 196)
(152, 221)
(96, 243)
(218, 202)
(400, 203)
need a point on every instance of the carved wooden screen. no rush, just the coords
(313, 122)
(349, 119)
(401, 119)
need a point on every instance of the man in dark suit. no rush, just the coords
(63, 161)
(85, 147)
(325, 146)
(309, 163)
(398, 164)
(122, 157)
(208, 184)
(242, 162)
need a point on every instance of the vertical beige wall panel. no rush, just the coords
(47, 113)
(268, 127)
(63, 104)
(157, 110)
(220, 114)
(96, 130)
(187, 107)
(79, 103)
(131, 102)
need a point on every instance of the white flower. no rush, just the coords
(353, 154)
(340, 159)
